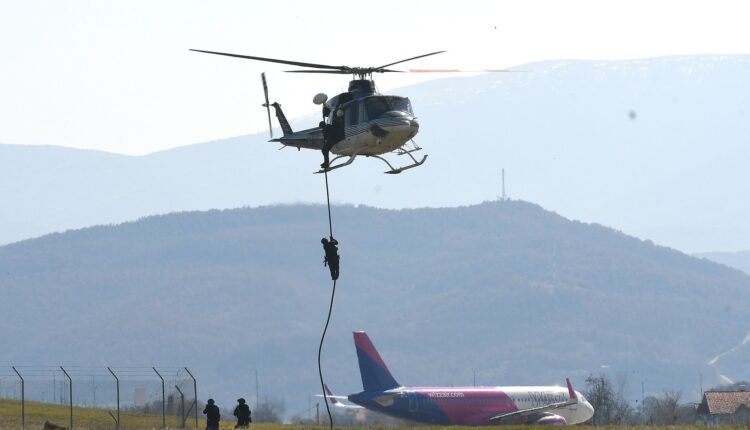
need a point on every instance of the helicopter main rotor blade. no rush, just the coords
(337, 72)
(409, 59)
(340, 72)
(462, 71)
(273, 60)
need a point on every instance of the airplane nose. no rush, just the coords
(589, 412)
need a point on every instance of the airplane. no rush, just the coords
(468, 406)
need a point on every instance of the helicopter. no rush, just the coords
(359, 122)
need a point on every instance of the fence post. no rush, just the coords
(195, 394)
(23, 398)
(70, 395)
(163, 401)
(182, 407)
(117, 381)
(113, 419)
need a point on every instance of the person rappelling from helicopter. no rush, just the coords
(332, 256)
(327, 137)
(334, 131)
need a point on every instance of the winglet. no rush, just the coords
(571, 391)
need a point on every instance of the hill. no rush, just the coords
(656, 148)
(508, 290)
(738, 260)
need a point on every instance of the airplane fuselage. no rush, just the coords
(473, 405)
(470, 406)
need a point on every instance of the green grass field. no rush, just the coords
(83, 418)
(99, 419)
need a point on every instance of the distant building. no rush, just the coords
(139, 397)
(724, 407)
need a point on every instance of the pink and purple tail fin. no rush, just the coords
(374, 372)
(571, 392)
(330, 396)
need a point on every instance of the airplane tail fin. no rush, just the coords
(335, 399)
(374, 372)
(330, 395)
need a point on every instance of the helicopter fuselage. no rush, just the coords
(370, 125)
(358, 122)
(385, 133)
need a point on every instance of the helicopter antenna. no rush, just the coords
(267, 105)
(504, 198)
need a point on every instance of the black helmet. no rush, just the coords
(241, 400)
(210, 401)
(324, 240)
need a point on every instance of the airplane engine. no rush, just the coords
(551, 420)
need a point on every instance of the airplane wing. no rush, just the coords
(335, 400)
(538, 411)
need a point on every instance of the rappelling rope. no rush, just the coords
(330, 310)
(320, 349)
(328, 199)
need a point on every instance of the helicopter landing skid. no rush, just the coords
(395, 171)
(330, 167)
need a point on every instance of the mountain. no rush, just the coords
(508, 290)
(738, 260)
(656, 148)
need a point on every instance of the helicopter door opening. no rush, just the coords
(337, 125)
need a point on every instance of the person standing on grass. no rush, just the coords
(212, 415)
(242, 412)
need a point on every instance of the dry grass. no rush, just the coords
(83, 418)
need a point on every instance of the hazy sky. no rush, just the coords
(118, 76)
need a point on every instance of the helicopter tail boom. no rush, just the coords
(285, 127)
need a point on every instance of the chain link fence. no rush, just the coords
(97, 398)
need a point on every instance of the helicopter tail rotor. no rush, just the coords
(267, 104)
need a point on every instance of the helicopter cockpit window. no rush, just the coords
(402, 104)
(379, 105)
(376, 106)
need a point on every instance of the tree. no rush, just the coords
(609, 408)
(664, 410)
(269, 411)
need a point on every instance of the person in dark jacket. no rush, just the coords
(332, 256)
(212, 415)
(242, 412)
